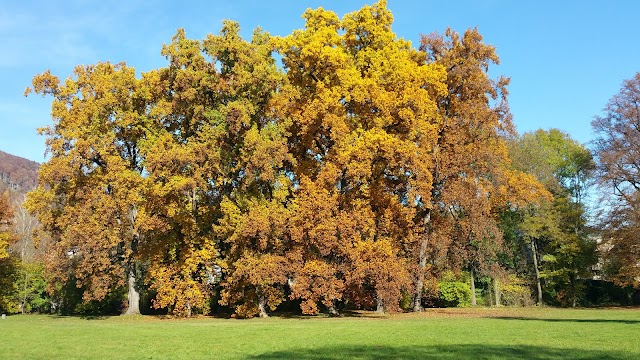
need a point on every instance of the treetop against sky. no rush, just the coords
(354, 166)
(565, 58)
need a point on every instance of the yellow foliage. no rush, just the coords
(335, 177)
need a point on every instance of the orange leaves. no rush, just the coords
(255, 279)
(316, 282)
(369, 27)
(313, 224)
(520, 190)
(363, 127)
(89, 189)
(6, 213)
(617, 152)
(262, 270)
(178, 289)
(378, 265)
(44, 84)
(264, 152)
(313, 181)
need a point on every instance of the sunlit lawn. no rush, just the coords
(526, 333)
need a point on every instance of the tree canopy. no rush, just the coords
(350, 176)
(555, 232)
(617, 150)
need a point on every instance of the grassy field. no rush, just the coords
(529, 333)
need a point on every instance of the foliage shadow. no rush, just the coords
(610, 321)
(475, 351)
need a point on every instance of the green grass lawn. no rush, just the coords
(528, 333)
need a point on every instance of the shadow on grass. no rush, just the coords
(342, 314)
(610, 321)
(444, 352)
(83, 317)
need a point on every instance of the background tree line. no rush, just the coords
(363, 173)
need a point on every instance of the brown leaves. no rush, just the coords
(88, 190)
(317, 282)
(6, 236)
(618, 154)
(312, 182)
(363, 127)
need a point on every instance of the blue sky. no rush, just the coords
(565, 58)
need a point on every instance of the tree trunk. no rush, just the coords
(262, 306)
(133, 296)
(573, 290)
(535, 266)
(473, 289)
(491, 297)
(496, 291)
(24, 295)
(380, 307)
(333, 311)
(422, 264)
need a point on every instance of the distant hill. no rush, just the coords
(17, 174)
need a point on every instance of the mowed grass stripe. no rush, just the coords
(530, 333)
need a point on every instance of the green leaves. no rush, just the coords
(557, 227)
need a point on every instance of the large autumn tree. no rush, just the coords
(250, 175)
(89, 190)
(141, 169)
(215, 155)
(617, 150)
(343, 177)
(471, 172)
(363, 128)
(177, 215)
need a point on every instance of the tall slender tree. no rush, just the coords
(471, 173)
(617, 149)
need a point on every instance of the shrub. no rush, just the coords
(516, 292)
(453, 292)
(32, 288)
(8, 276)
(405, 301)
